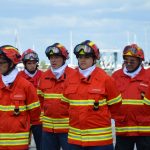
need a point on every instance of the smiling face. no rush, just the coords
(56, 61)
(131, 63)
(85, 61)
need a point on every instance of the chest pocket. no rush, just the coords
(46, 84)
(143, 87)
(96, 93)
(18, 99)
(123, 84)
(71, 92)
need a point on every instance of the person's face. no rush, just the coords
(85, 61)
(4, 66)
(131, 63)
(31, 65)
(56, 61)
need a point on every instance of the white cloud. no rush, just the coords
(103, 21)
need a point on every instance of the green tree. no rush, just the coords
(43, 65)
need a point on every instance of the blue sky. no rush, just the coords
(109, 23)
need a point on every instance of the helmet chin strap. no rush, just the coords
(32, 72)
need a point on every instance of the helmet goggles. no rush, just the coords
(53, 50)
(31, 56)
(134, 51)
(82, 49)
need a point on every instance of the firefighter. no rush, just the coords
(133, 81)
(93, 101)
(31, 73)
(19, 105)
(55, 119)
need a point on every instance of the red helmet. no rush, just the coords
(57, 49)
(87, 47)
(133, 50)
(11, 53)
(29, 54)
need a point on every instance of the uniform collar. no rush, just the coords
(29, 74)
(50, 75)
(89, 78)
(8, 79)
(2, 85)
(133, 74)
(87, 71)
(139, 76)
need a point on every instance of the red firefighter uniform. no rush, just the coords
(55, 117)
(93, 102)
(19, 108)
(34, 80)
(134, 113)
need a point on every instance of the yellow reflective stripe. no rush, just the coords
(114, 100)
(52, 95)
(133, 129)
(90, 131)
(86, 102)
(33, 105)
(39, 92)
(11, 108)
(65, 99)
(55, 126)
(90, 138)
(42, 94)
(14, 135)
(146, 101)
(132, 102)
(41, 116)
(14, 142)
(55, 120)
(10, 48)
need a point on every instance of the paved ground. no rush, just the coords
(32, 146)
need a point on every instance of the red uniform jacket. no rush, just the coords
(134, 119)
(19, 108)
(34, 80)
(90, 125)
(55, 117)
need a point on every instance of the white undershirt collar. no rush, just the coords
(10, 77)
(88, 71)
(59, 71)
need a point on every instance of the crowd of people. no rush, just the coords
(71, 109)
